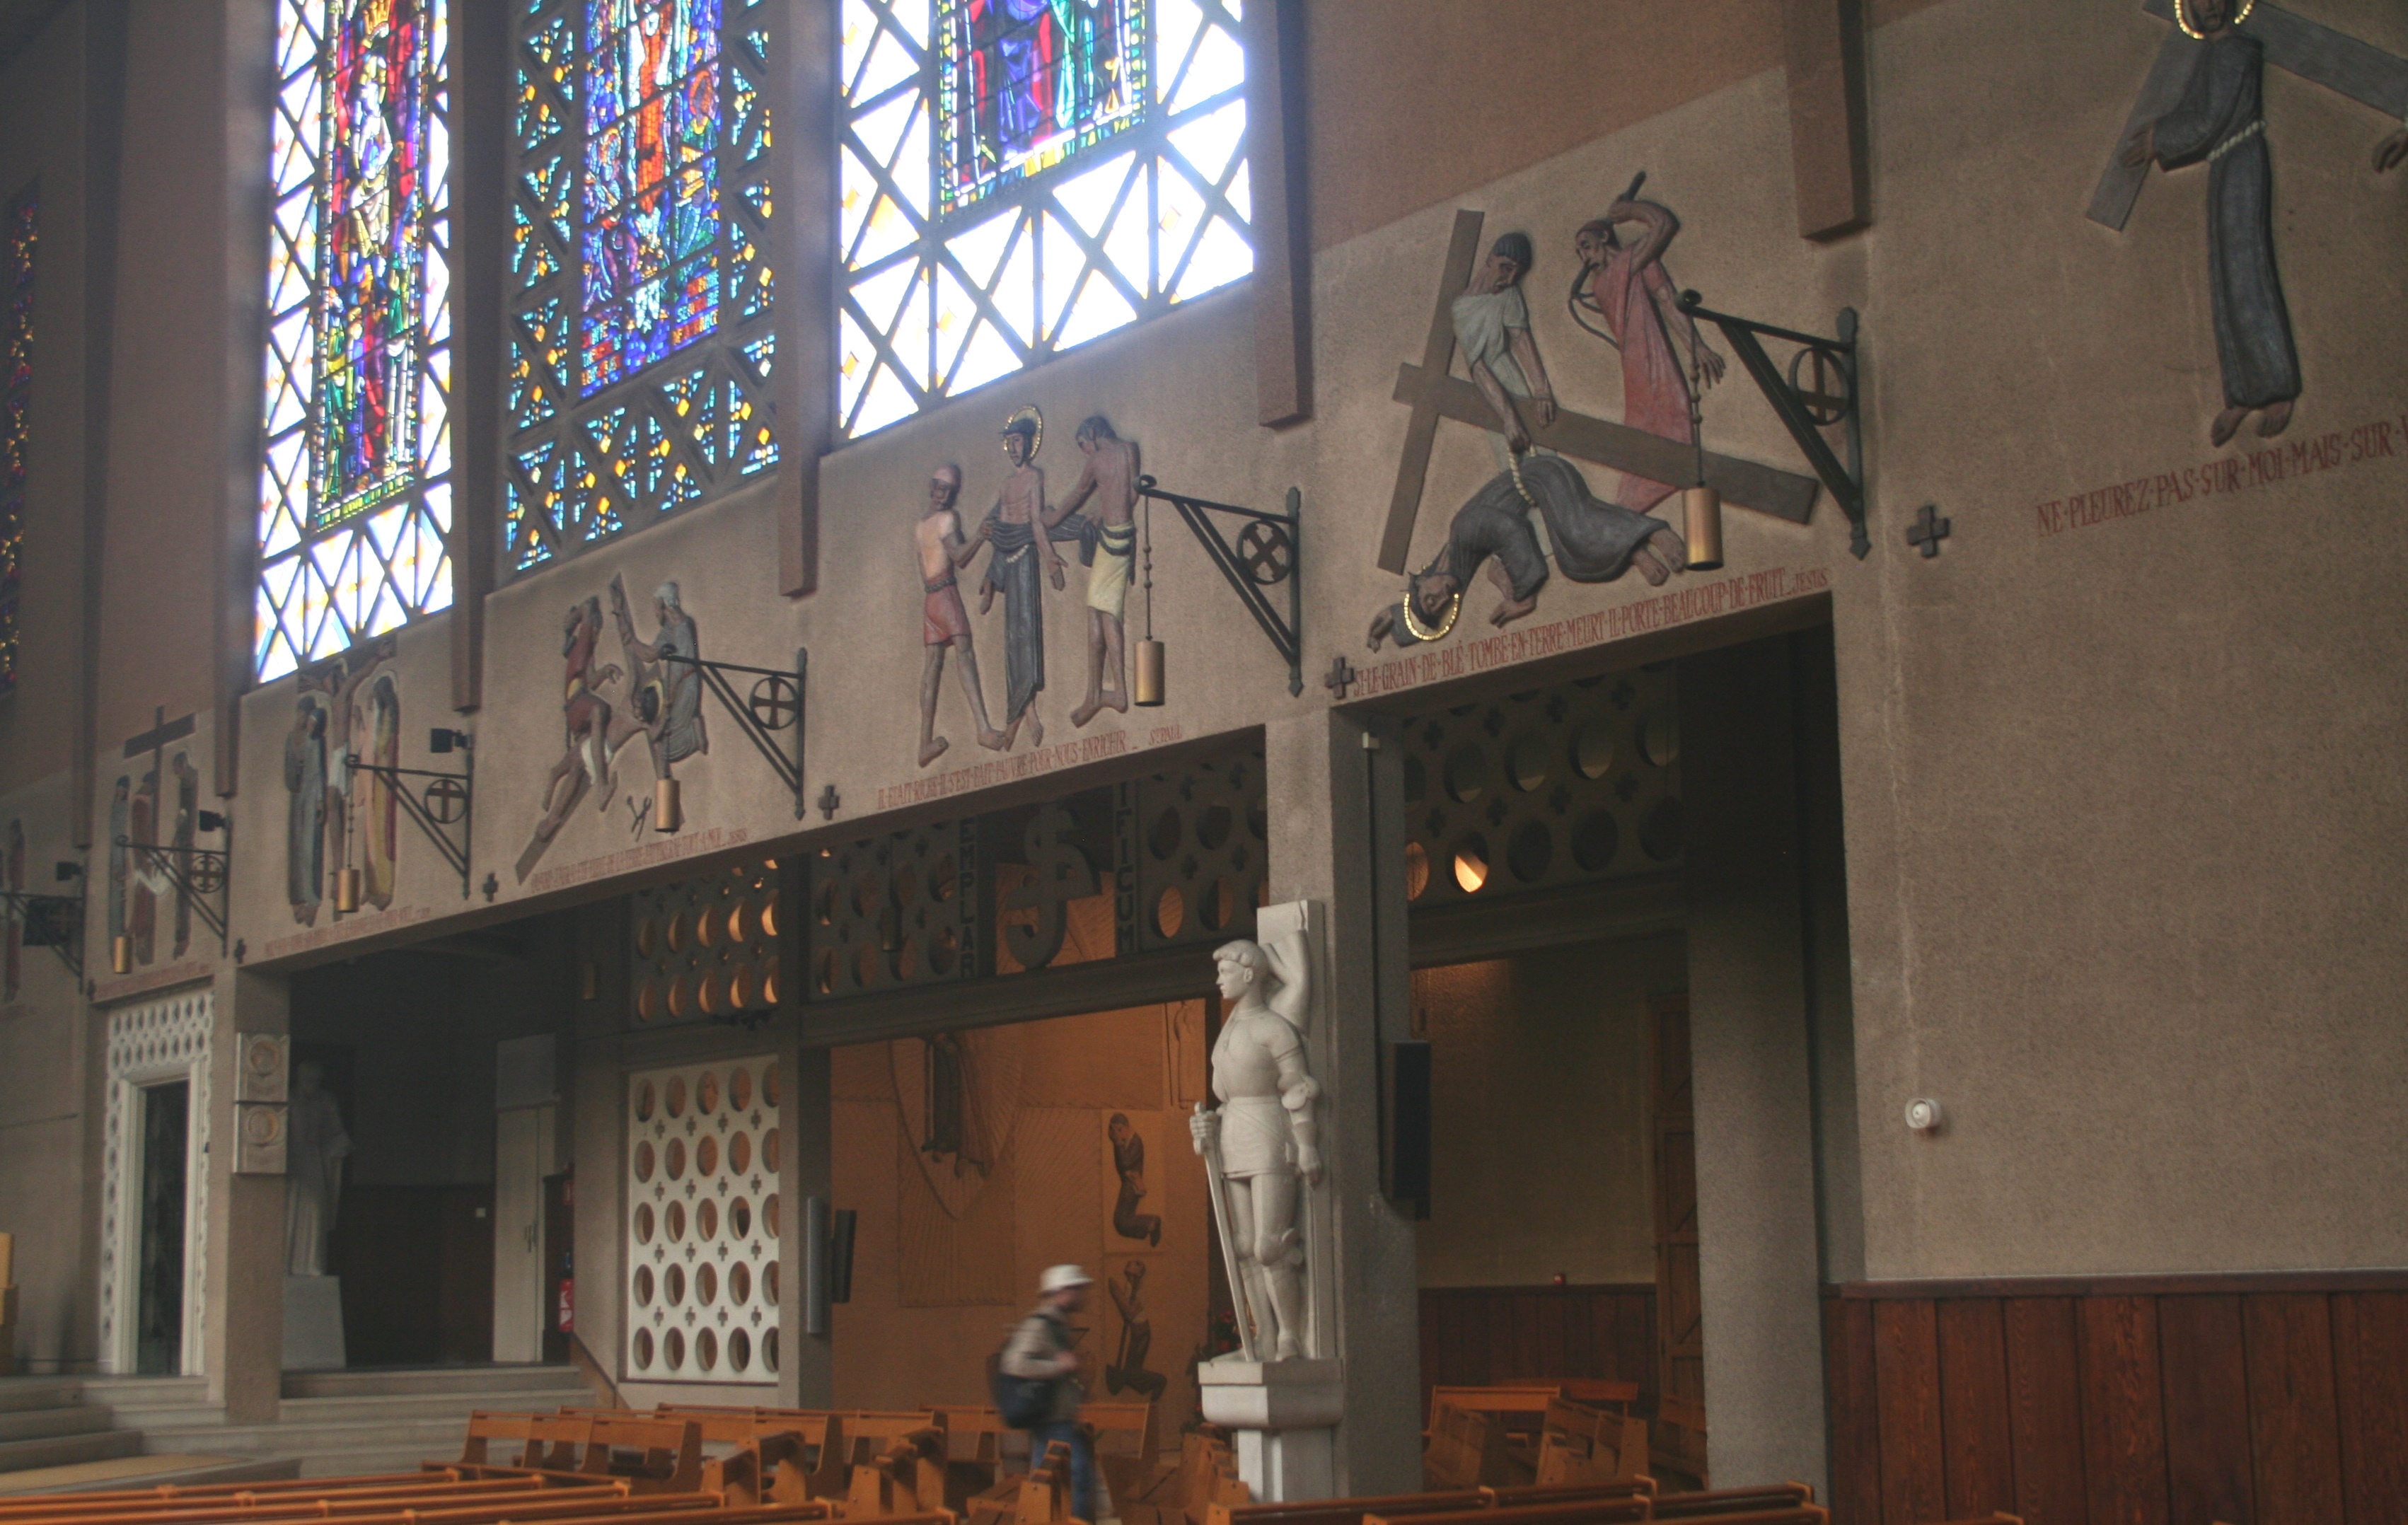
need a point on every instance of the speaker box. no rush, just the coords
(1405, 1125)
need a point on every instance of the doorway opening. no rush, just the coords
(159, 1299)
(1627, 924)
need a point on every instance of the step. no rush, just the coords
(143, 1416)
(148, 1472)
(451, 1406)
(423, 1438)
(37, 1423)
(64, 1450)
(23, 1393)
(145, 1391)
(408, 1380)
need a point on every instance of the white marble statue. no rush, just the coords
(1264, 1132)
(315, 1146)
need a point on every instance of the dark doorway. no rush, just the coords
(159, 1348)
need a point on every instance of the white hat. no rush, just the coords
(1061, 1278)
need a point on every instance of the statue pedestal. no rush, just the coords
(313, 1324)
(1284, 1413)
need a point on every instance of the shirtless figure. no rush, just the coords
(944, 625)
(1109, 474)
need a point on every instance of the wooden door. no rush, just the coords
(1677, 1438)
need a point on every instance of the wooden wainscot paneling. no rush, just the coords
(2264, 1398)
(1473, 1336)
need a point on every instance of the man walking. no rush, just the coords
(1041, 1351)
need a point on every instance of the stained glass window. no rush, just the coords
(355, 494)
(16, 399)
(1018, 177)
(640, 345)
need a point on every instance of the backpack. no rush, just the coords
(1025, 1402)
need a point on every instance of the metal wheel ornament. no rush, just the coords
(446, 799)
(207, 874)
(775, 702)
(1267, 552)
(1825, 393)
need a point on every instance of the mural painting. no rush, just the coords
(1128, 1169)
(1107, 540)
(1539, 508)
(655, 694)
(2218, 117)
(1014, 534)
(1127, 1371)
(335, 817)
(944, 623)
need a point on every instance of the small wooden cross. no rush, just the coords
(155, 739)
(1341, 675)
(1927, 530)
(829, 802)
(1435, 395)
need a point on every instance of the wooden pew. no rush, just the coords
(1530, 1493)
(1733, 1501)
(1348, 1511)
(1596, 1511)
(974, 1444)
(301, 1493)
(1465, 1448)
(1581, 1444)
(897, 1462)
(1122, 1437)
(1677, 1445)
(504, 1495)
(1205, 1478)
(1045, 1491)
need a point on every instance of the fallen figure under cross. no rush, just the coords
(1594, 540)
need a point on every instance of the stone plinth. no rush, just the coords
(313, 1324)
(1284, 1413)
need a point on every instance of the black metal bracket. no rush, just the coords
(51, 921)
(206, 877)
(1270, 551)
(775, 705)
(1807, 407)
(450, 800)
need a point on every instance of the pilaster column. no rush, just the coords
(1320, 781)
(243, 1350)
(1759, 1267)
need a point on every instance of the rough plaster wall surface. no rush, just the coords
(1557, 1042)
(169, 376)
(41, 110)
(2120, 796)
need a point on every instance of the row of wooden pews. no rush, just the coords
(1533, 1434)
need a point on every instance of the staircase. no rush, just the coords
(59, 1433)
(350, 1421)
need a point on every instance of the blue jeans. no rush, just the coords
(1082, 1463)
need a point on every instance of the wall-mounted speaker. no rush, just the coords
(1405, 1125)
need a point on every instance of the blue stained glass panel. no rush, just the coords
(651, 187)
(371, 248)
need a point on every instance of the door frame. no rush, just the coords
(152, 1043)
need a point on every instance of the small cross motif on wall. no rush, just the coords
(1927, 530)
(829, 801)
(1341, 677)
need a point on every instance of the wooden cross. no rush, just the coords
(1927, 530)
(2314, 52)
(154, 740)
(1341, 677)
(829, 802)
(1435, 395)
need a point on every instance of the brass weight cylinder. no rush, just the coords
(1149, 671)
(1701, 511)
(668, 807)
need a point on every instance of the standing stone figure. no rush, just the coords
(1492, 324)
(314, 1149)
(1266, 1131)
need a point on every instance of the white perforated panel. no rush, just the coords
(703, 1151)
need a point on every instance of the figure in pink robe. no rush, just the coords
(1626, 285)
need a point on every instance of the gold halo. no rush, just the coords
(1432, 633)
(2182, 16)
(1034, 416)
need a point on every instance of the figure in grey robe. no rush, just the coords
(1012, 570)
(315, 1146)
(1594, 541)
(305, 829)
(2220, 119)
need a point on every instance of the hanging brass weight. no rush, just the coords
(1149, 673)
(668, 807)
(1701, 511)
(120, 954)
